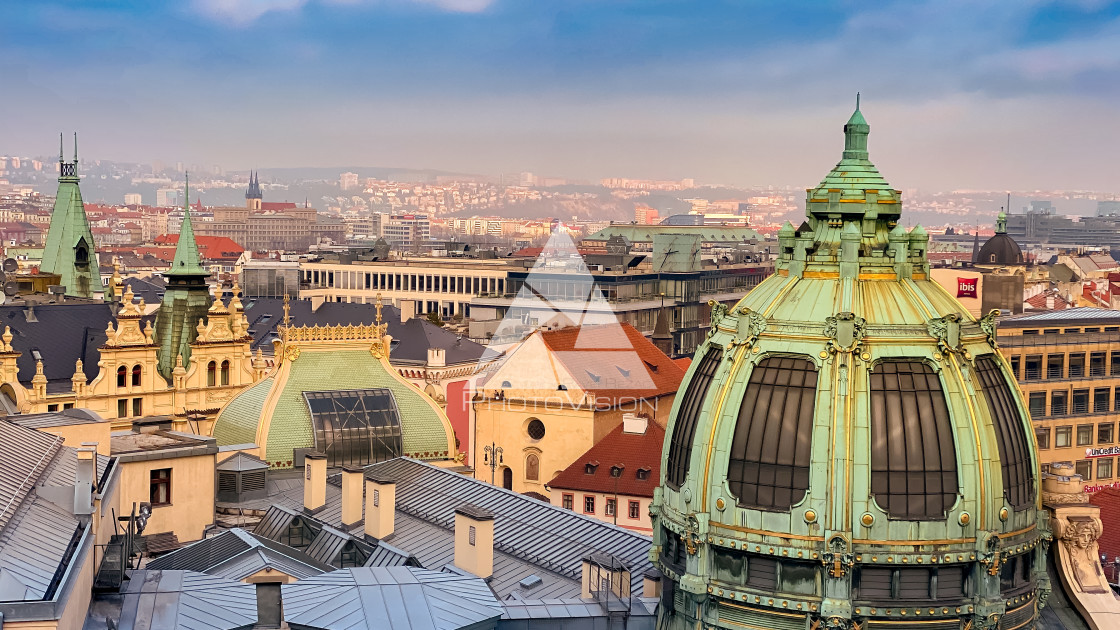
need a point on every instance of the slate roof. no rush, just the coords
(62, 334)
(390, 598)
(634, 451)
(149, 289)
(179, 600)
(530, 611)
(411, 339)
(531, 537)
(237, 554)
(66, 417)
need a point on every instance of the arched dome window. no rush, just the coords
(1014, 449)
(913, 458)
(769, 464)
(688, 414)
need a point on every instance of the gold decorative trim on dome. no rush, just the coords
(348, 332)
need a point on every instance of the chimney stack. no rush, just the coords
(437, 357)
(84, 479)
(474, 540)
(381, 506)
(314, 482)
(407, 309)
(634, 423)
(352, 488)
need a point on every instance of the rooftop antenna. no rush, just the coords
(857, 101)
(75, 147)
(61, 155)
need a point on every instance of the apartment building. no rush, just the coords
(1068, 366)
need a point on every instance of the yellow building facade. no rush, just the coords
(1068, 367)
(128, 385)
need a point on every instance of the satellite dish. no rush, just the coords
(11, 289)
(11, 265)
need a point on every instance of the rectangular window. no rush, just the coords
(137, 407)
(471, 535)
(1016, 361)
(1105, 433)
(1072, 331)
(1077, 365)
(1084, 468)
(53, 407)
(588, 504)
(1100, 399)
(1037, 404)
(1084, 434)
(609, 507)
(1063, 437)
(567, 501)
(1055, 366)
(1097, 366)
(1043, 437)
(1080, 401)
(160, 487)
(1032, 331)
(1104, 468)
(1059, 403)
(635, 509)
(1093, 329)
(1116, 399)
(122, 408)
(1034, 367)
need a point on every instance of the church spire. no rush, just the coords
(69, 250)
(187, 261)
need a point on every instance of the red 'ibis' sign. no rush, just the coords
(966, 287)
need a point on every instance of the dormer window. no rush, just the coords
(643, 473)
(590, 467)
(616, 470)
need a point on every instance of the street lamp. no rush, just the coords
(616, 472)
(492, 457)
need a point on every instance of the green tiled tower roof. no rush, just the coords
(70, 250)
(185, 300)
(275, 415)
(849, 442)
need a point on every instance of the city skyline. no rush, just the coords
(723, 93)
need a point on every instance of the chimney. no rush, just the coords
(84, 479)
(437, 357)
(314, 482)
(407, 309)
(634, 423)
(316, 302)
(352, 488)
(381, 506)
(651, 584)
(474, 540)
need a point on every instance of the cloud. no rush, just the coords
(244, 12)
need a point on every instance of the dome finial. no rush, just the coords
(857, 101)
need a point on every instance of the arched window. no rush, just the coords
(225, 372)
(769, 464)
(913, 458)
(211, 374)
(688, 414)
(1014, 449)
(122, 376)
(136, 371)
(532, 468)
(507, 478)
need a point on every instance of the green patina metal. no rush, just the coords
(70, 250)
(851, 293)
(186, 300)
(424, 432)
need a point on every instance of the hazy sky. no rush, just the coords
(1021, 94)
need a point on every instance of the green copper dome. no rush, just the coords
(849, 447)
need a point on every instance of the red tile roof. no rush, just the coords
(597, 359)
(211, 247)
(277, 205)
(633, 451)
(1109, 501)
(683, 362)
